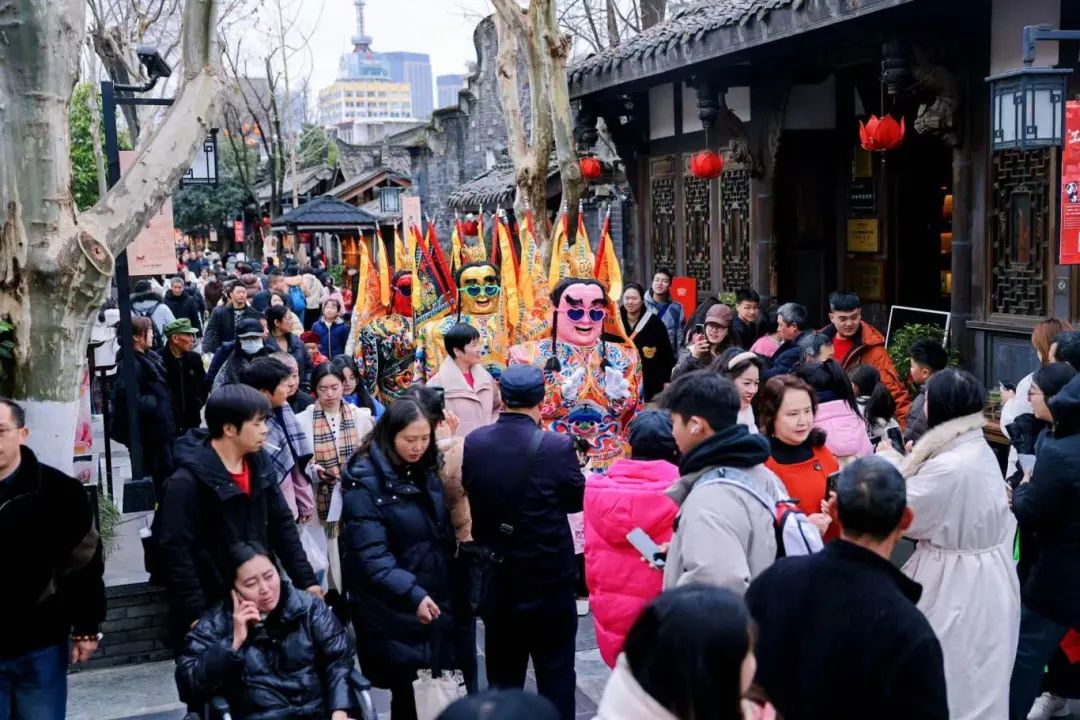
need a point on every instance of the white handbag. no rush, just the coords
(434, 694)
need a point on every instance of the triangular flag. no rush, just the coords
(607, 268)
(383, 266)
(433, 290)
(558, 241)
(455, 246)
(367, 305)
(508, 280)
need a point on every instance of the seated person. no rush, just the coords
(270, 650)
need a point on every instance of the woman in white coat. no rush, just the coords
(963, 560)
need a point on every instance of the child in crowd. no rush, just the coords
(928, 356)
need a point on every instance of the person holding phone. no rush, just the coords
(706, 342)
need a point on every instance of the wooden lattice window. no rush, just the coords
(735, 233)
(1020, 247)
(662, 213)
(696, 209)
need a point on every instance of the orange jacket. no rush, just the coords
(870, 350)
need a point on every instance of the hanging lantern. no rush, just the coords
(470, 226)
(266, 221)
(879, 135)
(707, 165)
(591, 168)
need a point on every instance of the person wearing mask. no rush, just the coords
(224, 491)
(963, 558)
(650, 337)
(269, 649)
(356, 393)
(927, 357)
(275, 283)
(522, 482)
(847, 616)
(876, 404)
(859, 343)
(629, 496)
(184, 375)
(292, 322)
(224, 320)
(791, 320)
(470, 391)
(396, 548)
(798, 454)
(669, 310)
(770, 341)
(724, 536)
(231, 360)
(333, 332)
(147, 302)
(183, 304)
(282, 336)
(54, 594)
(1047, 503)
(157, 430)
(299, 400)
(744, 369)
(335, 430)
(837, 413)
(689, 655)
(289, 447)
(703, 348)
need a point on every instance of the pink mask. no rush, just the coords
(581, 314)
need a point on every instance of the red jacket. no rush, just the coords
(870, 350)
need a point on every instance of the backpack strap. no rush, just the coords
(735, 478)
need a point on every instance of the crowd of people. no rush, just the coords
(744, 558)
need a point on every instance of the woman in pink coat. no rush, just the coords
(630, 496)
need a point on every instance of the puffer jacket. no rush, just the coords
(846, 433)
(396, 544)
(630, 496)
(294, 665)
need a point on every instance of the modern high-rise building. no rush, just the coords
(448, 87)
(415, 69)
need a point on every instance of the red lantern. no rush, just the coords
(591, 168)
(879, 135)
(266, 221)
(471, 228)
(707, 165)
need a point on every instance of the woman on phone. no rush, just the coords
(706, 343)
(397, 545)
(336, 431)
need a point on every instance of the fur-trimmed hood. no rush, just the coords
(942, 438)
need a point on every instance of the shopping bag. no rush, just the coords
(434, 693)
(313, 540)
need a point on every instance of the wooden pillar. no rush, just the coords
(761, 212)
(961, 300)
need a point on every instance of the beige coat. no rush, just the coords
(475, 406)
(453, 452)
(724, 535)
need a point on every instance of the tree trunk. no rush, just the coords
(652, 12)
(55, 265)
(612, 24)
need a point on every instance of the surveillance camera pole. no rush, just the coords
(110, 101)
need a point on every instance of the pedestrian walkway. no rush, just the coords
(148, 692)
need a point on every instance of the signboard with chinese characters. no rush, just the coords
(154, 250)
(861, 197)
(1070, 186)
(862, 235)
(238, 234)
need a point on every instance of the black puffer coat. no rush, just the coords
(1050, 506)
(157, 424)
(295, 665)
(396, 545)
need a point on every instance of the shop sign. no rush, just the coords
(1070, 186)
(863, 236)
(861, 197)
(866, 278)
(153, 252)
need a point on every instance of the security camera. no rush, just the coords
(155, 65)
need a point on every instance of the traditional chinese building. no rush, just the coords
(941, 221)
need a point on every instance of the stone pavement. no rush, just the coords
(147, 692)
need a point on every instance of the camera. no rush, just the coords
(155, 65)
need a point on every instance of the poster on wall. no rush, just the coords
(1070, 186)
(154, 250)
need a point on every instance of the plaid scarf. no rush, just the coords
(293, 448)
(333, 452)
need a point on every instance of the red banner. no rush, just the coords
(238, 231)
(1070, 186)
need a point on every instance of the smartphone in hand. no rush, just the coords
(647, 547)
(897, 440)
(830, 483)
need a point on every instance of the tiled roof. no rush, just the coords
(326, 211)
(686, 24)
(494, 186)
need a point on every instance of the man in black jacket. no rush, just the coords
(223, 491)
(184, 374)
(182, 303)
(275, 283)
(839, 636)
(791, 323)
(52, 569)
(522, 482)
(221, 327)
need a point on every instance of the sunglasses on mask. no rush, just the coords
(577, 314)
(476, 290)
(405, 290)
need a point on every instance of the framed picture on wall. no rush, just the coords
(863, 235)
(866, 278)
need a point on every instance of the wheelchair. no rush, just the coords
(362, 706)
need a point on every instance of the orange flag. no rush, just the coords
(607, 268)
(367, 305)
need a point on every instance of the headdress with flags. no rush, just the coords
(508, 273)
(532, 285)
(455, 245)
(433, 294)
(403, 257)
(570, 260)
(369, 304)
(607, 268)
(383, 267)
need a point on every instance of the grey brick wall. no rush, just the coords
(135, 628)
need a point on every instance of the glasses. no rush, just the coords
(405, 290)
(715, 326)
(578, 314)
(476, 290)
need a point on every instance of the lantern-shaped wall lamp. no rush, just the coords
(1027, 108)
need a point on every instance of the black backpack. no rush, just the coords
(159, 341)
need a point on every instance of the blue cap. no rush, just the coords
(522, 386)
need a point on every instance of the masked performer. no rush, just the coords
(592, 380)
(478, 305)
(384, 346)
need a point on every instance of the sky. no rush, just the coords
(441, 28)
